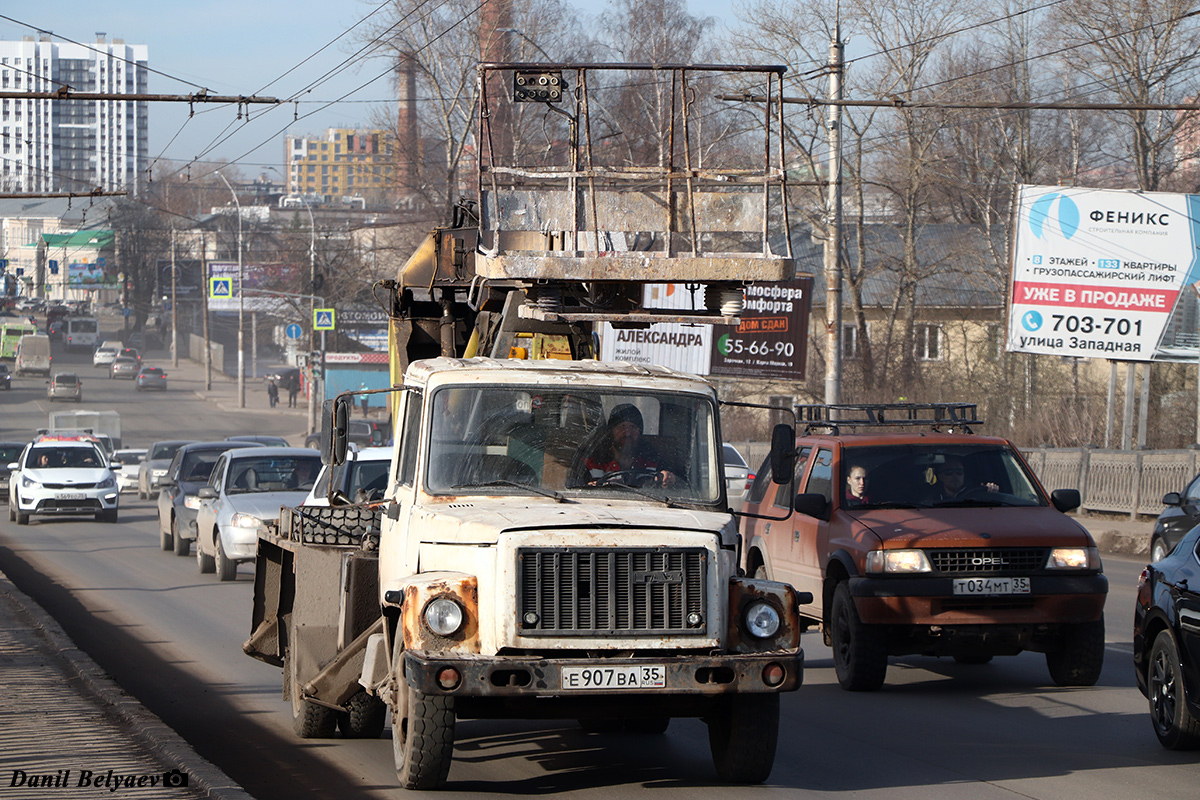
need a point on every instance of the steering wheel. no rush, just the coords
(974, 492)
(635, 476)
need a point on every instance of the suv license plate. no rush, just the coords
(69, 496)
(647, 676)
(991, 585)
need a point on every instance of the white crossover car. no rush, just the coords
(361, 479)
(245, 491)
(62, 476)
(127, 474)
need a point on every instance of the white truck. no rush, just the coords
(33, 355)
(104, 425)
(521, 570)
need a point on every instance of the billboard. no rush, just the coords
(82, 275)
(257, 276)
(1104, 273)
(772, 339)
(679, 346)
(188, 274)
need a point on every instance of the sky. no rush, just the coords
(241, 47)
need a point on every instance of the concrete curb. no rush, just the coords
(148, 729)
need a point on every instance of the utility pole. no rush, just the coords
(174, 307)
(241, 359)
(204, 297)
(833, 226)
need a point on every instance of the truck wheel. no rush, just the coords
(859, 651)
(1080, 656)
(363, 717)
(742, 734)
(226, 566)
(203, 561)
(422, 735)
(183, 547)
(309, 720)
(1174, 724)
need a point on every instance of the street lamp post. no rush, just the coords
(312, 311)
(241, 364)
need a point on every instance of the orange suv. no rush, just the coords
(917, 536)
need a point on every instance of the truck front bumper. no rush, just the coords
(685, 675)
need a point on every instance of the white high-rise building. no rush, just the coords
(52, 145)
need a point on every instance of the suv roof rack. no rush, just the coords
(935, 416)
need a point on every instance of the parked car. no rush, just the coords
(9, 453)
(188, 471)
(105, 355)
(154, 465)
(244, 493)
(151, 378)
(1166, 643)
(62, 476)
(269, 441)
(5, 377)
(124, 368)
(1182, 513)
(362, 479)
(737, 477)
(127, 473)
(65, 386)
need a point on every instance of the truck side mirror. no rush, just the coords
(335, 430)
(783, 453)
(1066, 499)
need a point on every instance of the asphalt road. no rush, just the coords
(172, 638)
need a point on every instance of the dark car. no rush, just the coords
(5, 377)
(1166, 643)
(152, 378)
(269, 441)
(363, 434)
(1182, 513)
(179, 498)
(10, 452)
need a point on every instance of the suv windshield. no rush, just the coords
(547, 440)
(60, 457)
(925, 476)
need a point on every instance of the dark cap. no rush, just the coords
(626, 412)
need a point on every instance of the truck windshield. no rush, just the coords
(539, 440)
(924, 476)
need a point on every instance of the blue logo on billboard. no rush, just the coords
(1054, 208)
(1031, 320)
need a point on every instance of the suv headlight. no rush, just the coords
(1073, 558)
(443, 616)
(107, 483)
(28, 483)
(240, 520)
(898, 562)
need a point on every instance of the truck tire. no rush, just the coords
(743, 731)
(204, 562)
(226, 567)
(183, 546)
(363, 717)
(859, 651)
(1078, 660)
(1174, 724)
(422, 734)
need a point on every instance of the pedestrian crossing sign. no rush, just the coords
(323, 319)
(220, 288)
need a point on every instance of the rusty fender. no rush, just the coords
(419, 591)
(743, 592)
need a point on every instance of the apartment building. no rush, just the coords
(52, 145)
(343, 163)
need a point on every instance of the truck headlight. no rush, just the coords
(762, 620)
(443, 616)
(191, 501)
(239, 520)
(1073, 558)
(898, 561)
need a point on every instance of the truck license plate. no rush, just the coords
(647, 676)
(69, 496)
(991, 585)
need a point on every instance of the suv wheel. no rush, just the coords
(1078, 659)
(1174, 724)
(859, 651)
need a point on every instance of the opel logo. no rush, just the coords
(988, 561)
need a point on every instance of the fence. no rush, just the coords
(1119, 481)
(196, 351)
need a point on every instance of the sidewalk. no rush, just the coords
(67, 729)
(1120, 536)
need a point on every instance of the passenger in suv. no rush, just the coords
(952, 549)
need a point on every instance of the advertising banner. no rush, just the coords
(88, 276)
(1104, 273)
(772, 339)
(682, 347)
(257, 276)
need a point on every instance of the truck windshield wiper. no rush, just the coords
(557, 496)
(659, 497)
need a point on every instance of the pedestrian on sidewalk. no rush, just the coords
(362, 387)
(293, 388)
(272, 393)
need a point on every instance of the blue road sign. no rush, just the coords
(294, 331)
(53, 266)
(220, 288)
(166, 305)
(323, 319)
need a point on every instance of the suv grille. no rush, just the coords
(610, 591)
(972, 562)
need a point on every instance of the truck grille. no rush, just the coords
(974, 562)
(610, 591)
